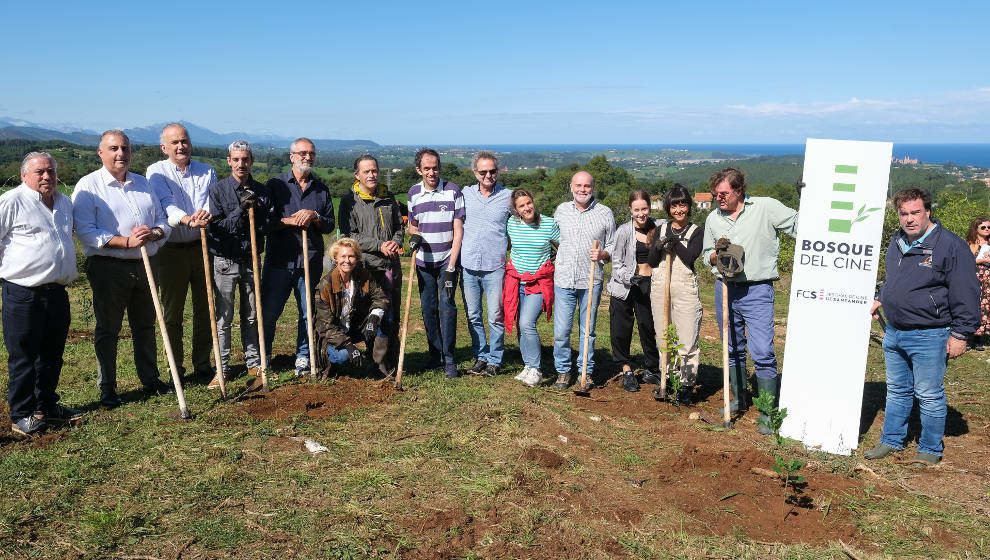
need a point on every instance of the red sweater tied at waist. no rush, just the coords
(540, 282)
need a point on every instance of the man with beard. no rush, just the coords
(300, 201)
(183, 187)
(582, 221)
(370, 215)
(436, 227)
(37, 261)
(230, 244)
(115, 213)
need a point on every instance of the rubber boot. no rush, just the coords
(738, 382)
(773, 386)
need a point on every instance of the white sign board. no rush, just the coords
(835, 271)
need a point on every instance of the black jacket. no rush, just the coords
(228, 234)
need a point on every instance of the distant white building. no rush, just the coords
(703, 200)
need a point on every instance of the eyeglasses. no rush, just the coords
(487, 172)
(983, 227)
(304, 154)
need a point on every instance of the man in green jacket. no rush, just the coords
(371, 215)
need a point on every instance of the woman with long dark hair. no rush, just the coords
(978, 238)
(681, 240)
(629, 292)
(528, 288)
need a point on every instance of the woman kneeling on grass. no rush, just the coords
(349, 310)
(681, 240)
(528, 288)
(629, 292)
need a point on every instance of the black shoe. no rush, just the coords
(651, 378)
(629, 382)
(433, 363)
(159, 387)
(491, 370)
(684, 395)
(59, 413)
(563, 382)
(450, 371)
(110, 399)
(478, 368)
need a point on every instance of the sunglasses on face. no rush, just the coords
(487, 172)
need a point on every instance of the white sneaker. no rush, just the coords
(522, 374)
(534, 378)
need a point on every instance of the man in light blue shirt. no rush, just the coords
(486, 215)
(115, 213)
(183, 188)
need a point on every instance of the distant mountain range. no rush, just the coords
(16, 129)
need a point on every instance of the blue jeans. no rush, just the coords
(439, 314)
(565, 302)
(337, 356)
(474, 284)
(530, 308)
(750, 325)
(916, 362)
(276, 283)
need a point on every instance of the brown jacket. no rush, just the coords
(329, 325)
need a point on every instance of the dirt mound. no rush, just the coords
(735, 491)
(445, 534)
(317, 400)
(543, 457)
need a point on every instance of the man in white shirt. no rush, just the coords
(183, 188)
(37, 260)
(115, 213)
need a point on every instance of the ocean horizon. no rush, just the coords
(977, 154)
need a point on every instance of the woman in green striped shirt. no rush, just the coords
(528, 288)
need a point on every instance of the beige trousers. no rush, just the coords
(685, 314)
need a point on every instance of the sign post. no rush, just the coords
(835, 269)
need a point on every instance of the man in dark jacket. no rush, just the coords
(349, 308)
(300, 201)
(931, 299)
(229, 237)
(370, 215)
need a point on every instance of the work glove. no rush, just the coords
(722, 244)
(415, 241)
(354, 356)
(371, 327)
(449, 283)
(670, 240)
(247, 199)
(799, 186)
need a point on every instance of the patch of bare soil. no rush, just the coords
(317, 400)
(543, 457)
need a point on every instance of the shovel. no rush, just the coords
(582, 390)
(213, 315)
(254, 384)
(176, 382)
(309, 306)
(727, 419)
(666, 324)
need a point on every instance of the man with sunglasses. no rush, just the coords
(300, 201)
(752, 223)
(486, 239)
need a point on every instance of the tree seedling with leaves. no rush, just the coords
(785, 467)
(670, 347)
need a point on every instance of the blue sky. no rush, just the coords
(508, 72)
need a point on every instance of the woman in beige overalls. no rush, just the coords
(682, 240)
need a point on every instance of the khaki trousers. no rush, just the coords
(181, 268)
(685, 314)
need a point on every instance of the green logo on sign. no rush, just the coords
(845, 223)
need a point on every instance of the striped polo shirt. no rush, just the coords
(531, 242)
(434, 213)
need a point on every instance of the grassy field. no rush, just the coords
(472, 468)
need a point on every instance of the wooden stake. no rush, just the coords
(405, 322)
(213, 315)
(257, 301)
(309, 305)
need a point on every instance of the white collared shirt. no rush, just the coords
(182, 193)
(35, 243)
(103, 208)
